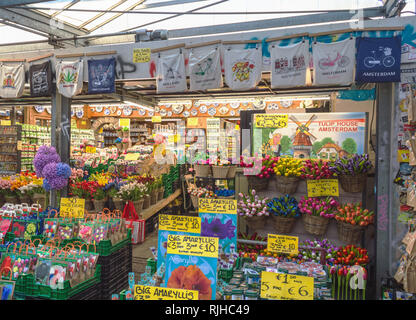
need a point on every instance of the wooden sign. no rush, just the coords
(227, 206)
(158, 293)
(322, 187)
(72, 207)
(282, 244)
(283, 286)
(179, 223)
(141, 55)
(271, 120)
(193, 245)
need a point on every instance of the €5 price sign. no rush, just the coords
(283, 286)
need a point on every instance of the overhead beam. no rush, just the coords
(101, 14)
(393, 7)
(14, 3)
(166, 4)
(69, 5)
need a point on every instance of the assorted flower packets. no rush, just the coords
(18, 228)
(5, 224)
(86, 230)
(66, 230)
(100, 232)
(50, 227)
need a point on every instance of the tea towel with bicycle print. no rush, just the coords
(205, 68)
(333, 63)
(378, 59)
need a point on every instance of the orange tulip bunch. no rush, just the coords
(354, 214)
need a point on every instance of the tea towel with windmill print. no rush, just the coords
(69, 75)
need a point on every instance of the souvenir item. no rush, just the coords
(39, 109)
(69, 75)
(106, 111)
(186, 113)
(113, 109)
(57, 275)
(49, 110)
(101, 76)
(12, 81)
(127, 110)
(194, 112)
(203, 109)
(42, 271)
(234, 105)
(151, 113)
(286, 104)
(80, 113)
(142, 112)
(177, 108)
(119, 112)
(223, 110)
(99, 108)
(40, 78)
(232, 113)
(169, 113)
(170, 73)
(205, 68)
(212, 111)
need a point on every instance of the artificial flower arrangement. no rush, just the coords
(258, 166)
(308, 254)
(288, 167)
(251, 205)
(316, 170)
(354, 214)
(286, 207)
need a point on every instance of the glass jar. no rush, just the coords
(237, 294)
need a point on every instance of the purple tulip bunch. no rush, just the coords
(352, 165)
(315, 255)
(325, 208)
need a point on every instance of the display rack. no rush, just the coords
(33, 136)
(10, 161)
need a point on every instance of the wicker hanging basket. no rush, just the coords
(160, 193)
(220, 172)
(153, 197)
(146, 201)
(202, 170)
(119, 204)
(349, 233)
(138, 205)
(194, 201)
(315, 225)
(255, 222)
(286, 185)
(25, 199)
(355, 183)
(231, 171)
(258, 184)
(283, 224)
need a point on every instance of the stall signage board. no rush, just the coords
(90, 149)
(282, 244)
(227, 206)
(193, 245)
(157, 119)
(141, 55)
(271, 120)
(179, 223)
(124, 122)
(72, 207)
(283, 286)
(158, 293)
(322, 187)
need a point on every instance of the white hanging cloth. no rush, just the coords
(170, 73)
(333, 63)
(289, 65)
(205, 68)
(242, 68)
(69, 75)
(12, 81)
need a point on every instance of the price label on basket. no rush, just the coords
(158, 293)
(271, 120)
(283, 286)
(282, 244)
(89, 149)
(323, 187)
(227, 206)
(193, 245)
(72, 207)
(141, 55)
(169, 222)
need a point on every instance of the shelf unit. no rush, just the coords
(10, 156)
(33, 137)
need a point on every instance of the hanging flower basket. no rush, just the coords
(349, 233)
(258, 184)
(160, 193)
(286, 185)
(138, 205)
(219, 172)
(119, 204)
(231, 171)
(202, 170)
(194, 201)
(99, 205)
(283, 224)
(315, 225)
(39, 198)
(146, 201)
(153, 197)
(353, 183)
(255, 222)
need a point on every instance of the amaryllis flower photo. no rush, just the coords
(216, 228)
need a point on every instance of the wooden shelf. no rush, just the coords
(149, 212)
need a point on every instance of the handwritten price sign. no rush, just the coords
(283, 286)
(271, 120)
(179, 223)
(141, 55)
(72, 207)
(193, 245)
(89, 149)
(323, 187)
(227, 206)
(159, 293)
(282, 244)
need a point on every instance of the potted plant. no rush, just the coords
(284, 211)
(287, 171)
(352, 172)
(316, 213)
(352, 220)
(116, 198)
(253, 209)
(258, 171)
(99, 199)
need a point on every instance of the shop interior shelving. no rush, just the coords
(10, 162)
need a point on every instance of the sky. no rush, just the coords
(127, 21)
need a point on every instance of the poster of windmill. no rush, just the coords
(326, 136)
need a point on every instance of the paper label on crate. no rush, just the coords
(158, 293)
(179, 223)
(227, 206)
(323, 187)
(72, 207)
(193, 245)
(283, 286)
(271, 120)
(282, 244)
(89, 149)
(124, 122)
(141, 55)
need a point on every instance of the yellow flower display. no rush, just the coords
(288, 167)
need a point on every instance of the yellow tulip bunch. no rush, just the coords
(288, 167)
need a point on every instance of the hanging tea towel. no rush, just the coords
(40, 76)
(101, 76)
(69, 78)
(12, 81)
(170, 73)
(205, 68)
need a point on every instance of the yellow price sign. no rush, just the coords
(132, 156)
(193, 122)
(141, 55)
(403, 155)
(322, 187)
(227, 206)
(158, 293)
(282, 244)
(72, 207)
(6, 122)
(89, 149)
(156, 119)
(169, 222)
(193, 245)
(283, 286)
(174, 138)
(19, 145)
(73, 123)
(271, 120)
(124, 122)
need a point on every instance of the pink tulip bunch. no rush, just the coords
(258, 166)
(252, 205)
(325, 208)
(316, 170)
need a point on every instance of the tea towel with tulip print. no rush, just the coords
(333, 63)
(242, 68)
(12, 81)
(69, 75)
